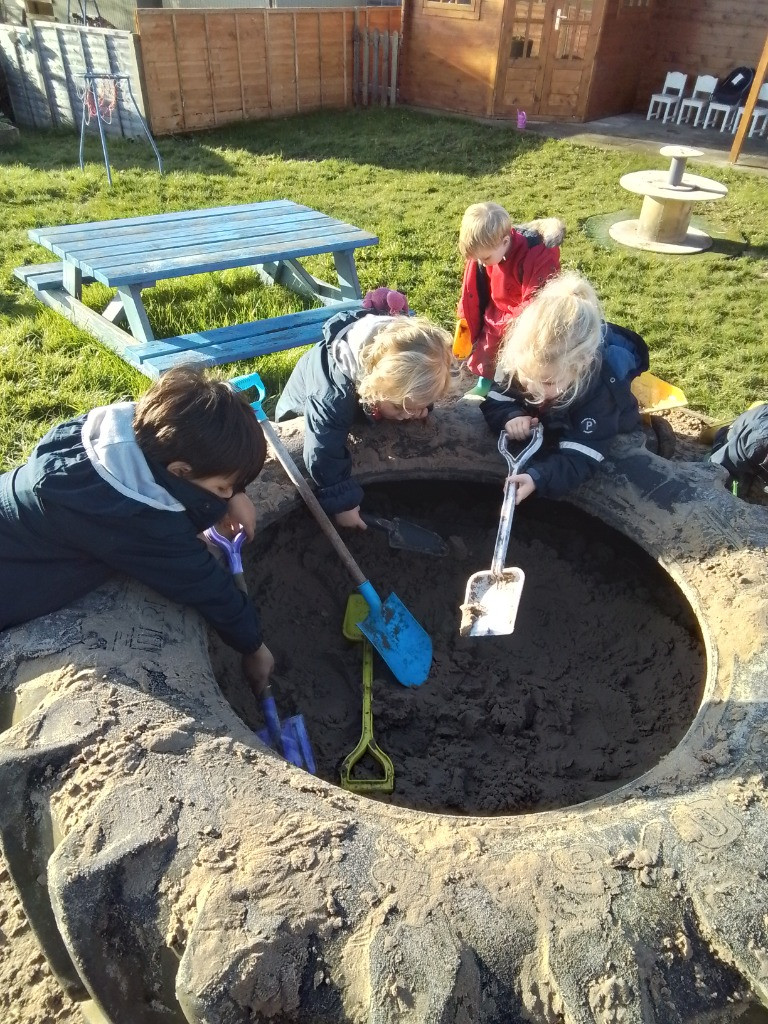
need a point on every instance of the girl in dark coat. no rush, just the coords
(368, 366)
(561, 365)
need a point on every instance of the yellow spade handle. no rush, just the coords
(462, 340)
(367, 744)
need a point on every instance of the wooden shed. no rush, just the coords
(567, 60)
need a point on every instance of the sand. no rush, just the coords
(601, 677)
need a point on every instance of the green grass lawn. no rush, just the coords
(406, 177)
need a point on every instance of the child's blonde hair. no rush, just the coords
(555, 340)
(483, 226)
(407, 362)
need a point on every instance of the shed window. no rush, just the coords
(527, 29)
(453, 8)
(572, 24)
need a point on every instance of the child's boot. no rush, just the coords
(482, 387)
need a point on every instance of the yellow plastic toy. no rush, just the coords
(654, 394)
(462, 340)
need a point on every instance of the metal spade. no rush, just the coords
(405, 536)
(492, 597)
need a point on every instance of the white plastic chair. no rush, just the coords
(669, 97)
(759, 114)
(698, 100)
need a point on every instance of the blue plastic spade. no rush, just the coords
(397, 636)
(288, 737)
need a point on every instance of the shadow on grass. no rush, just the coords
(393, 139)
(731, 248)
(597, 228)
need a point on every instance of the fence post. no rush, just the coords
(384, 88)
(356, 90)
(365, 66)
(393, 69)
(375, 68)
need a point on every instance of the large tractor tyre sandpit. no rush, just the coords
(174, 870)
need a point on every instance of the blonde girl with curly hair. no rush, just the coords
(368, 366)
(562, 365)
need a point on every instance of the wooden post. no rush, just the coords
(393, 69)
(384, 87)
(178, 68)
(365, 66)
(296, 66)
(375, 68)
(240, 65)
(356, 90)
(266, 59)
(209, 66)
(344, 63)
(749, 106)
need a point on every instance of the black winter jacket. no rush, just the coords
(319, 390)
(64, 529)
(577, 436)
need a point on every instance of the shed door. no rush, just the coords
(546, 61)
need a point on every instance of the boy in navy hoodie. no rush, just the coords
(129, 487)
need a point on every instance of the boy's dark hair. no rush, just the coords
(188, 417)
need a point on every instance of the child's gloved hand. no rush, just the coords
(385, 300)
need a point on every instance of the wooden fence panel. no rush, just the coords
(376, 60)
(24, 77)
(165, 107)
(335, 51)
(222, 44)
(193, 56)
(206, 67)
(306, 31)
(281, 50)
(254, 64)
(44, 64)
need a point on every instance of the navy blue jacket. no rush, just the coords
(577, 436)
(742, 448)
(319, 390)
(64, 530)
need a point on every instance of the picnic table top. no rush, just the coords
(142, 250)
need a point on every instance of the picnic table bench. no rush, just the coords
(133, 254)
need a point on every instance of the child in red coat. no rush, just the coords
(505, 268)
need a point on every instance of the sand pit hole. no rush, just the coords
(601, 678)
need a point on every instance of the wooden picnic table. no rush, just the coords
(134, 253)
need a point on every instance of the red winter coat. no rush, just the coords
(511, 286)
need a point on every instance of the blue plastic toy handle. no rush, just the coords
(231, 548)
(272, 719)
(282, 737)
(254, 385)
(370, 595)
